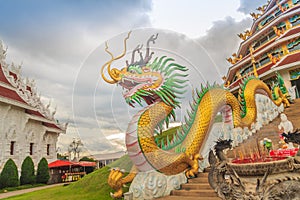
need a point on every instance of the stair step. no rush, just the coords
(194, 193)
(199, 189)
(196, 186)
(270, 130)
(198, 180)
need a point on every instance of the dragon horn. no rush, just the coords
(114, 73)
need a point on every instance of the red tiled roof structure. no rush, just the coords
(59, 163)
(66, 163)
(10, 92)
(259, 71)
(85, 164)
(50, 125)
(290, 59)
(292, 32)
(36, 113)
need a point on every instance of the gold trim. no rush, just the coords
(114, 73)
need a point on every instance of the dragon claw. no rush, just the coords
(115, 182)
(191, 173)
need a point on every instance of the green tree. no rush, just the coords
(85, 158)
(62, 157)
(42, 175)
(9, 176)
(27, 172)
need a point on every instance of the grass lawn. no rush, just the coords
(91, 187)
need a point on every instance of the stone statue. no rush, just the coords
(285, 124)
(287, 127)
(292, 92)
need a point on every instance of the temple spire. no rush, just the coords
(2, 52)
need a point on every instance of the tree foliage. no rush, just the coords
(85, 158)
(9, 176)
(42, 175)
(62, 157)
(27, 172)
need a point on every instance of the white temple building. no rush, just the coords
(27, 127)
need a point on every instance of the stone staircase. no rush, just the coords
(196, 189)
(199, 188)
(269, 131)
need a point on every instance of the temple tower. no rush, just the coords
(270, 46)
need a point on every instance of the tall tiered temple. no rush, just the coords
(27, 127)
(271, 45)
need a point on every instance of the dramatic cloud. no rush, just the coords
(61, 45)
(247, 6)
(221, 40)
(53, 38)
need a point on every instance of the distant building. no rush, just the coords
(66, 171)
(271, 45)
(27, 127)
(105, 159)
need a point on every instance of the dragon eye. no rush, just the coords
(132, 71)
(146, 69)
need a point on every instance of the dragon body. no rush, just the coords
(148, 155)
(159, 84)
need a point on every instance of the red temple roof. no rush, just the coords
(290, 59)
(59, 163)
(10, 94)
(85, 164)
(51, 125)
(36, 113)
(66, 163)
(291, 32)
(2, 76)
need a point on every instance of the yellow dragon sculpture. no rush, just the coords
(159, 84)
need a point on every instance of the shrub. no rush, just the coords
(27, 172)
(9, 176)
(42, 175)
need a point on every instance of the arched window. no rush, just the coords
(31, 148)
(12, 147)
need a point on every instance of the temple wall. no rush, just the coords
(17, 127)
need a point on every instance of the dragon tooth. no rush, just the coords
(168, 141)
(162, 143)
(181, 135)
(174, 138)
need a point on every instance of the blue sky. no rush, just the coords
(55, 39)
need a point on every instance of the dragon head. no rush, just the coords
(147, 81)
(223, 144)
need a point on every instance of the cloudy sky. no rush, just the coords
(61, 46)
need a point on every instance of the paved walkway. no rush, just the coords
(18, 192)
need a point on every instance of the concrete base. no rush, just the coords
(150, 185)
